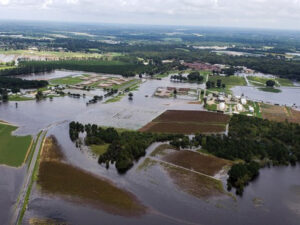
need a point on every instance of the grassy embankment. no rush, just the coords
(261, 81)
(13, 149)
(270, 89)
(33, 146)
(59, 178)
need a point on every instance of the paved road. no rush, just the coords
(26, 184)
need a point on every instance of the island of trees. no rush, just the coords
(124, 147)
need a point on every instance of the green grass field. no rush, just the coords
(285, 82)
(229, 80)
(261, 81)
(13, 149)
(66, 81)
(99, 149)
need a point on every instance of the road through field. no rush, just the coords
(27, 181)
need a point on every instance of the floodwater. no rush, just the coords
(10, 184)
(277, 189)
(288, 95)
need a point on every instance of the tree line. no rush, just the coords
(15, 84)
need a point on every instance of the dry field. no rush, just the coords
(280, 113)
(188, 122)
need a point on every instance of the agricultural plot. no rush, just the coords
(92, 81)
(168, 92)
(13, 149)
(280, 113)
(206, 164)
(50, 54)
(192, 172)
(57, 177)
(188, 122)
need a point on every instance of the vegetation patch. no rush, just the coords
(57, 177)
(66, 80)
(229, 80)
(39, 221)
(270, 89)
(99, 149)
(18, 98)
(13, 149)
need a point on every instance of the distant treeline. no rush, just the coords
(16, 83)
(265, 64)
(111, 67)
(126, 69)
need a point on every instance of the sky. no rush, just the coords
(284, 14)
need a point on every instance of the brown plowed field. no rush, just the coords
(209, 165)
(188, 122)
(192, 116)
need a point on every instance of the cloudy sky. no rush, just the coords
(235, 13)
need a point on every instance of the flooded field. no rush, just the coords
(276, 189)
(288, 95)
